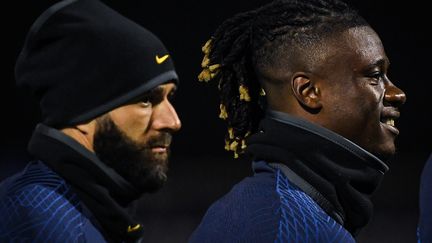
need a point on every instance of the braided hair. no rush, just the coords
(252, 42)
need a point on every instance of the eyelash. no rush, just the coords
(171, 96)
(145, 102)
(148, 101)
(376, 77)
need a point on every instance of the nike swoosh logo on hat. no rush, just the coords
(160, 60)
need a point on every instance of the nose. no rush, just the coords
(165, 117)
(394, 96)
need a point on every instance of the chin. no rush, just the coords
(153, 180)
(161, 158)
(386, 154)
(152, 183)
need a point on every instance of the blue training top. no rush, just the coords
(267, 207)
(37, 205)
(424, 230)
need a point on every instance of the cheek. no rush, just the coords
(134, 123)
(370, 106)
(356, 116)
(366, 120)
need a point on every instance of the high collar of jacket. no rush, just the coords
(102, 190)
(339, 175)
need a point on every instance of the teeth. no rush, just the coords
(390, 122)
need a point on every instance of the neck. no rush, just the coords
(83, 134)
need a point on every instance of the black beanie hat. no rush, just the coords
(83, 59)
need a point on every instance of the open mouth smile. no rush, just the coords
(388, 120)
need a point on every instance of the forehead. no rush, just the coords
(357, 46)
(364, 41)
(164, 88)
(169, 86)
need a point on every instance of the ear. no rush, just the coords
(306, 92)
(82, 133)
(87, 128)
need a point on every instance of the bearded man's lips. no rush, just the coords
(159, 149)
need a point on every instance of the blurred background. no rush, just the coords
(201, 171)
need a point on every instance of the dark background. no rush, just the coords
(201, 171)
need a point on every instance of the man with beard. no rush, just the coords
(104, 85)
(305, 93)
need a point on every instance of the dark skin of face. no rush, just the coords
(345, 88)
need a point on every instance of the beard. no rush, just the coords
(144, 169)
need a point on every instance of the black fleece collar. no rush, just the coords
(338, 174)
(102, 190)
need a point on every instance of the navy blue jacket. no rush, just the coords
(425, 223)
(66, 195)
(267, 207)
(37, 205)
(309, 185)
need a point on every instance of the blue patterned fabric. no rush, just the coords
(424, 229)
(37, 205)
(302, 220)
(268, 208)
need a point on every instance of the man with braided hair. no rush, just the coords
(304, 91)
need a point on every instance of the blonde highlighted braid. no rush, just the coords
(235, 139)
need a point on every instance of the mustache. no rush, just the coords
(161, 140)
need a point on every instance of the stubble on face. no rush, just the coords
(137, 162)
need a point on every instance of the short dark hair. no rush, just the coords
(250, 43)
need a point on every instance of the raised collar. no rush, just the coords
(103, 191)
(338, 174)
(313, 133)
